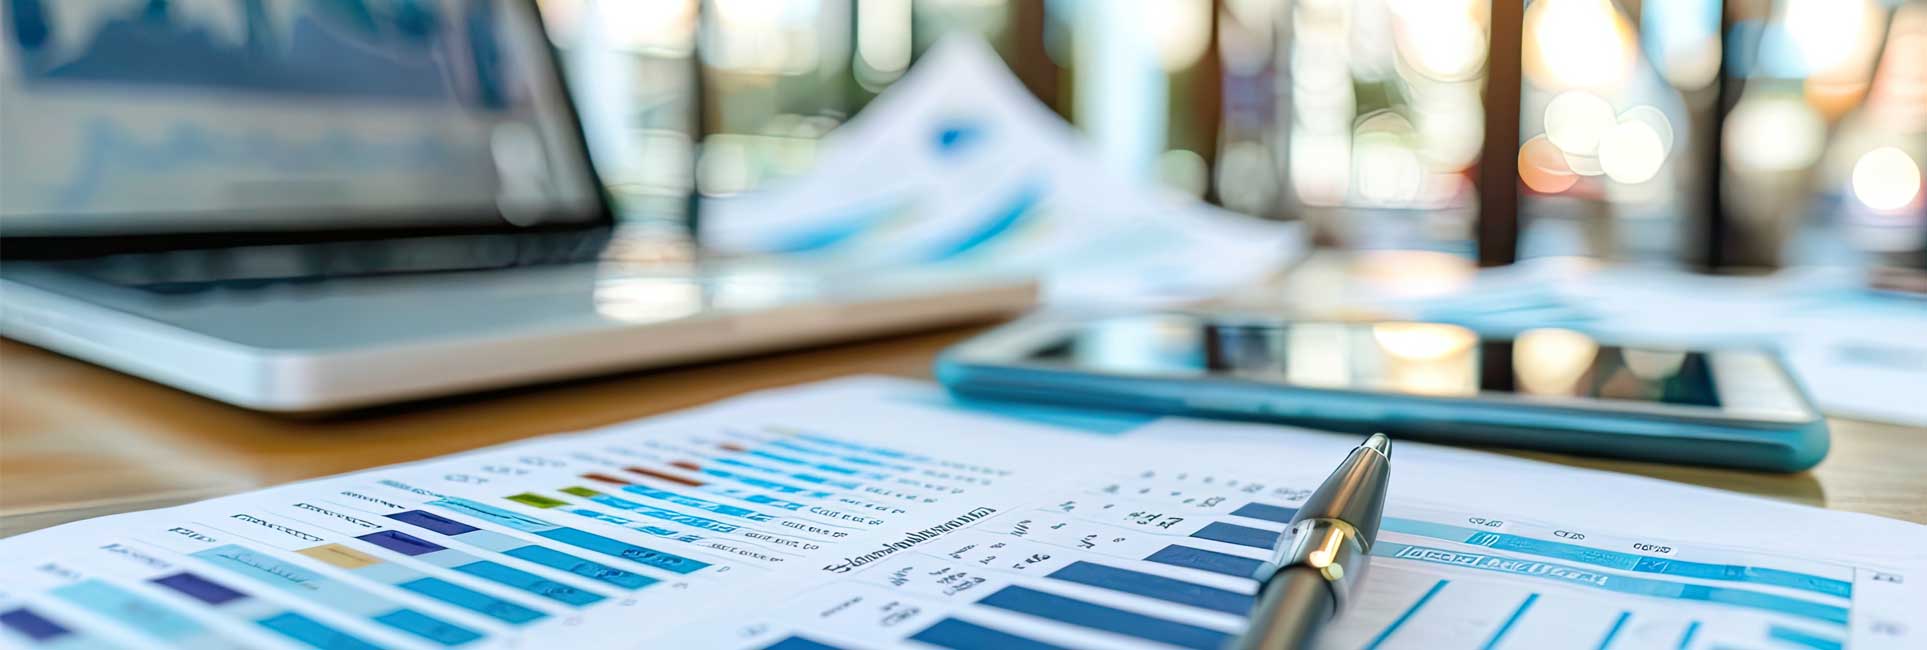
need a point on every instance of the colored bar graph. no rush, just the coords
(1575, 576)
(1587, 555)
(407, 579)
(1169, 590)
(699, 504)
(334, 594)
(522, 550)
(1505, 627)
(1618, 624)
(574, 537)
(1203, 560)
(232, 603)
(1024, 600)
(752, 481)
(147, 616)
(824, 467)
(1386, 633)
(963, 635)
(672, 516)
(806, 478)
(1803, 639)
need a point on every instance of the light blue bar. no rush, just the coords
(334, 594)
(700, 504)
(833, 469)
(518, 579)
(474, 601)
(493, 514)
(427, 627)
(1587, 555)
(123, 606)
(854, 460)
(313, 633)
(1617, 583)
(665, 515)
(1406, 616)
(1618, 624)
(806, 478)
(880, 451)
(752, 497)
(295, 579)
(631, 552)
(565, 562)
(1510, 621)
(1803, 639)
(636, 526)
(765, 484)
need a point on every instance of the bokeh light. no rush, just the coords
(1543, 168)
(1631, 152)
(1577, 44)
(1886, 179)
(1773, 133)
(1575, 120)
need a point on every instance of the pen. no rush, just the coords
(1321, 557)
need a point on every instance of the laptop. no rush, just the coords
(298, 206)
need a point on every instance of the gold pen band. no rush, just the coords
(1331, 547)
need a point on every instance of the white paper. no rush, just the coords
(877, 513)
(956, 164)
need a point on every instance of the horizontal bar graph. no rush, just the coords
(1169, 590)
(1024, 600)
(335, 594)
(1262, 539)
(517, 548)
(496, 572)
(574, 537)
(963, 635)
(151, 618)
(1587, 555)
(692, 521)
(406, 579)
(235, 604)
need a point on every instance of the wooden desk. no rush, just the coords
(77, 440)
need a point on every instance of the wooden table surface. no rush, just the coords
(77, 440)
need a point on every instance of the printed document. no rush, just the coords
(871, 513)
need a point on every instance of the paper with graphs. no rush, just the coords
(877, 513)
(957, 164)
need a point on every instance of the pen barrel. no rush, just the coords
(1292, 608)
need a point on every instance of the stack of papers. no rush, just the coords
(956, 164)
(877, 513)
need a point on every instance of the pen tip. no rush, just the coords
(1380, 443)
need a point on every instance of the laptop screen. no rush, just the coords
(129, 116)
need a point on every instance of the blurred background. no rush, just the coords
(1740, 134)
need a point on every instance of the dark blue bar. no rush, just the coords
(433, 522)
(799, 643)
(1203, 560)
(1076, 612)
(1402, 618)
(1509, 621)
(1798, 637)
(1266, 512)
(400, 542)
(1219, 531)
(1613, 631)
(32, 625)
(1153, 586)
(960, 635)
(199, 588)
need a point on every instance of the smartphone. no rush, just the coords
(1551, 389)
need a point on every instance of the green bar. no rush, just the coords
(537, 500)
